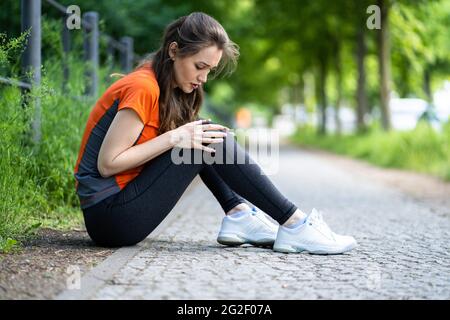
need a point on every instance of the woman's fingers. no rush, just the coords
(205, 148)
(213, 134)
(213, 126)
(200, 132)
(211, 140)
(206, 124)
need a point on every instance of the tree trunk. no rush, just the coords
(338, 65)
(301, 90)
(298, 97)
(427, 85)
(361, 94)
(322, 96)
(384, 60)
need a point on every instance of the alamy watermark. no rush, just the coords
(374, 276)
(374, 20)
(73, 281)
(73, 20)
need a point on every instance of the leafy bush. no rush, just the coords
(37, 187)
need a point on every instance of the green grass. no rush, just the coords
(422, 149)
(37, 187)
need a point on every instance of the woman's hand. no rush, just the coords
(195, 134)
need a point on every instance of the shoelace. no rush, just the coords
(317, 219)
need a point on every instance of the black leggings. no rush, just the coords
(129, 216)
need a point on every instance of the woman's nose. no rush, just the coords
(203, 78)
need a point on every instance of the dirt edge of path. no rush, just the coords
(45, 265)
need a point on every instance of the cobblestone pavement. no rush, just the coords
(403, 248)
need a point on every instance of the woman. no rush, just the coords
(128, 181)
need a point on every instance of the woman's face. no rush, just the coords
(191, 72)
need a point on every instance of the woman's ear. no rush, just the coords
(173, 47)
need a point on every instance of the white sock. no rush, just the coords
(296, 224)
(299, 222)
(237, 214)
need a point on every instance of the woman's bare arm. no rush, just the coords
(117, 152)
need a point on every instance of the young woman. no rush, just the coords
(126, 176)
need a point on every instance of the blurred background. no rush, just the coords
(369, 79)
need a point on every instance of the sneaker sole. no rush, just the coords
(235, 240)
(318, 250)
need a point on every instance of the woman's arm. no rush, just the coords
(117, 152)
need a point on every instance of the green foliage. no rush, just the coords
(8, 245)
(419, 42)
(37, 188)
(422, 149)
(10, 49)
(280, 42)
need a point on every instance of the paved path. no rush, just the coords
(403, 248)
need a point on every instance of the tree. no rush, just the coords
(384, 60)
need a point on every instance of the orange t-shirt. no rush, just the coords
(139, 91)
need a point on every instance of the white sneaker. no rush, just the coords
(313, 236)
(248, 226)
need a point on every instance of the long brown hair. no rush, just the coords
(192, 33)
